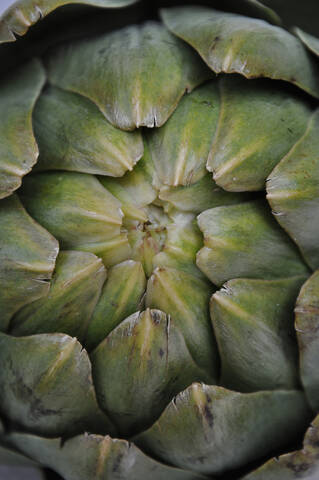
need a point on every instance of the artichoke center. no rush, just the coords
(148, 238)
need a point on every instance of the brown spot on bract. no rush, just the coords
(215, 42)
(156, 317)
(117, 463)
(208, 416)
(298, 467)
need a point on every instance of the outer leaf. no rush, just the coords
(79, 212)
(251, 8)
(74, 135)
(185, 297)
(27, 259)
(245, 241)
(139, 367)
(24, 13)
(74, 292)
(301, 464)
(92, 457)
(121, 296)
(47, 385)
(10, 457)
(211, 430)
(307, 321)
(18, 148)
(180, 148)
(293, 192)
(117, 71)
(311, 42)
(253, 325)
(258, 125)
(232, 43)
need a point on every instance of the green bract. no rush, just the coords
(159, 240)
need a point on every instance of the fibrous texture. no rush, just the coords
(159, 235)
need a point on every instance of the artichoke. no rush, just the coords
(159, 240)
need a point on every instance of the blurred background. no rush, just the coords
(4, 4)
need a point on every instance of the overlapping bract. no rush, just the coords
(150, 224)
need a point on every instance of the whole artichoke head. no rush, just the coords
(159, 241)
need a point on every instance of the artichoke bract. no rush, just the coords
(159, 241)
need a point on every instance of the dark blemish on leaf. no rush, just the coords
(161, 352)
(101, 51)
(23, 392)
(117, 463)
(37, 410)
(206, 102)
(215, 42)
(156, 317)
(298, 468)
(209, 416)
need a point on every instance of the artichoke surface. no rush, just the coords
(159, 241)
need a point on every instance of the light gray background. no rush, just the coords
(4, 4)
